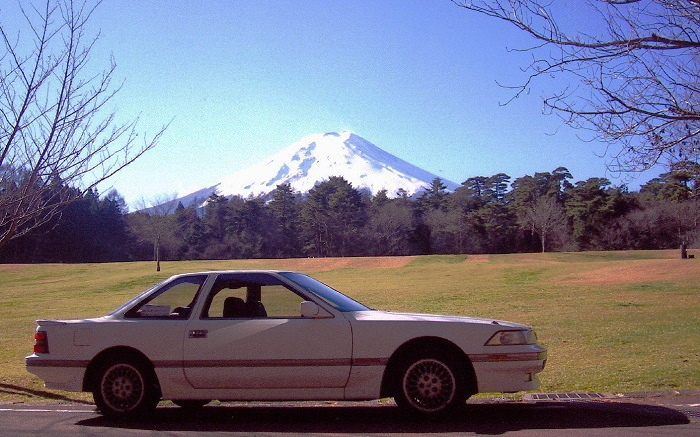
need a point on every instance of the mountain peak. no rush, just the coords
(317, 157)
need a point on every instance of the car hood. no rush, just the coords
(375, 315)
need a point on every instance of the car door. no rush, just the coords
(156, 324)
(250, 334)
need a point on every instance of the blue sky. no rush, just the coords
(242, 79)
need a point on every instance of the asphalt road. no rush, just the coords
(658, 416)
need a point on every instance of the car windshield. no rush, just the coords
(330, 296)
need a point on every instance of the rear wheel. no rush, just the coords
(125, 388)
(430, 384)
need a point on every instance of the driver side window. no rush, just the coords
(235, 297)
(281, 302)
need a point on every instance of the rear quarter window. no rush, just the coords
(173, 300)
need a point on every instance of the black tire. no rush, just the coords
(430, 384)
(125, 388)
(190, 404)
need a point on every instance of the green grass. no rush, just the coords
(612, 321)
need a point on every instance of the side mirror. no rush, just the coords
(310, 310)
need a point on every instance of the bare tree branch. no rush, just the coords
(57, 138)
(634, 81)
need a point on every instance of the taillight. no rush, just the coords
(41, 342)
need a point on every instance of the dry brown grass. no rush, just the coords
(326, 264)
(640, 271)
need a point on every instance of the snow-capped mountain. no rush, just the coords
(316, 158)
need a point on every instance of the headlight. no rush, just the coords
(509, 338)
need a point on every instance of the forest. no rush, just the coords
(543, 212)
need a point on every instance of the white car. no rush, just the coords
(275, 335)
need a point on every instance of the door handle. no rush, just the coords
(198, 333)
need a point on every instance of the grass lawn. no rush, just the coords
(611, 321)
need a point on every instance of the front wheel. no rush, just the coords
(125, 389)
(430, 385)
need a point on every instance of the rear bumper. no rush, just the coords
(57, 374)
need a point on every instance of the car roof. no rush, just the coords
(219, 272)
(239, 271)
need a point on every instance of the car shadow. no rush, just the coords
(476, 418)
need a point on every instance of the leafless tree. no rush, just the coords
(156, 216)
(57, 137)
(633, 77)
(545, 217)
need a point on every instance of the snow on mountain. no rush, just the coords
(317, 157)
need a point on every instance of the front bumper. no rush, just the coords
(509, 372)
